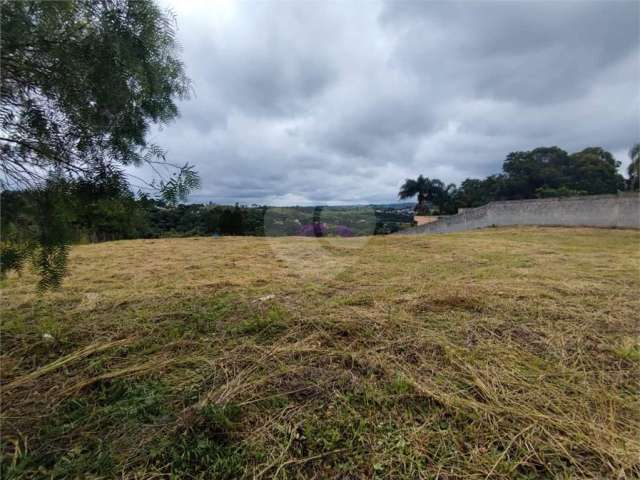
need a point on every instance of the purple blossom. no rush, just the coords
(343, 231)
(315, 229)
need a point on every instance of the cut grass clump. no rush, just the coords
(82, 434)
(401, 386)
(449, 303)
(502, 353)
(205, 448)
(629, 350)
(358, 300)
(89, 459)
(264, 325)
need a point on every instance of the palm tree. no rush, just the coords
(426, 189)
(444, 198)
(634, 167)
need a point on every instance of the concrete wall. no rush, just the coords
(618, 210)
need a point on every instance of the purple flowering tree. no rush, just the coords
(315, 229)
(343, 231)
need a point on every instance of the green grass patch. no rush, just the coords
(264, 325)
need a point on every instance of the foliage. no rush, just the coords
(37, 234)
(82, 82)
(544, 172)
(103, 208)
(428, 191)
(201, 219)
(595, 171)
(39, 224)
(315, 229)
(541, 172)
(231, 221)
(547, 192)
(205, 448)
(475, 192)
(181, 183)
(633, 183)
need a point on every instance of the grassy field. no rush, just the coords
(502, 353)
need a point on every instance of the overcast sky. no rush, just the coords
(338, 102)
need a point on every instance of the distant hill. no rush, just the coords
(400, 205)
(194, 199)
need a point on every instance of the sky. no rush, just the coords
(337, 102)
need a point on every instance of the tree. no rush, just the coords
(104, 208)
(231, 221)
(39, 223)
(528, 171)
(426, 189)
(594, 171)
(633, 183)
(545, 172)
(82, 82)
(444, 198)
(474, 192)
(34, 226)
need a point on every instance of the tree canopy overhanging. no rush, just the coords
(82, 83)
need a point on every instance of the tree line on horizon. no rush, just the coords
(107, 210)
(539, 173)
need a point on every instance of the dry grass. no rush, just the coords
(503, 353)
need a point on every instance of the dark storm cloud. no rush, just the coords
(303, 102)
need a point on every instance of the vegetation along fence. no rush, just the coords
(617, 210)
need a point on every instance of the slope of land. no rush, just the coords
(502, 353)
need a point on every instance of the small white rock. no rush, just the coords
(48, 337)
